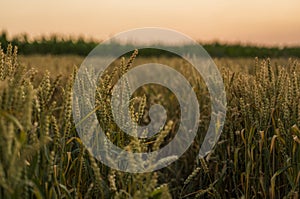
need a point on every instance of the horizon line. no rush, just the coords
(76, 37)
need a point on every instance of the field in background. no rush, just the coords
(257, 156)
(64, 64)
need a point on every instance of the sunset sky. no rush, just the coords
(264, 22)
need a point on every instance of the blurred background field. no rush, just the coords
(64, 64)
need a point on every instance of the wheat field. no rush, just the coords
(42, 156)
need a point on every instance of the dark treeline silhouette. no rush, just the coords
(57, 45)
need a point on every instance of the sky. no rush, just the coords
(261, 22)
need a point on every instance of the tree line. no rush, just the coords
(58, 45)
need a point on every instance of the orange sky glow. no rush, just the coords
(263, 22)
